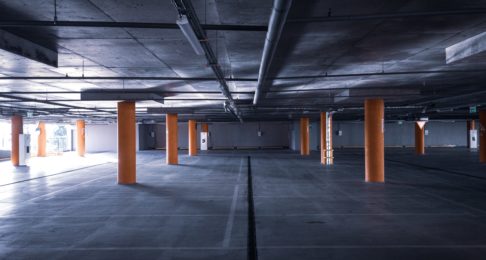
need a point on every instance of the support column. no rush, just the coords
(17, 129)
(420, 137)
(126, 143)
(42, 140)
(192, 137)
(327, 153)
(204, 137)
(80, 137)
(482, 136)
(471, 125)
(304, 136)
(374, 140)
(204, 128)
(172, 156)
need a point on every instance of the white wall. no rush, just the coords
(101, 138)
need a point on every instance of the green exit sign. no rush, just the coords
(472, 109)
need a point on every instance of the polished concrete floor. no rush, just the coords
(431, 207)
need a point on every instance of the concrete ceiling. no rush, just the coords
(333, 64)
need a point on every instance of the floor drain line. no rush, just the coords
(252, 243)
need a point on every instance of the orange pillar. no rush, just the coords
(80, 137)
(192, 137)
(374, 140)
(420, 137)
(204, 127)
(304, 136)
(327, 153)
(482, 136)
(126, 143)
(17, 128)
(171, 139)
(471, 125)
(41, 140)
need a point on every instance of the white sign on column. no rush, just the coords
(473, 139)
(204, 141)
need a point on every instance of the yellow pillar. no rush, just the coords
(126, 143)
(482, 136)
(80, 137)
(327, 153)
(42, 140)
(192, 127)
(17, 129)
(420, 137)
(304, 136)
(374, 140)
(172, 156)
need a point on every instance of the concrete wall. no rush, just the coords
(440, 133)
(222, 135)
(4, 154)
(229, 135)
(152, 136)
(102, 138)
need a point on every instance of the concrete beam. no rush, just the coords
(466, 48)
(352, 94)
(170, 110)
(25, 48)
(117, 94)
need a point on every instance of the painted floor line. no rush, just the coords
(231, 217)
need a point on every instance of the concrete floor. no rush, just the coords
(431, 207)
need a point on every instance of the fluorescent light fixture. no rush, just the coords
(187, 30)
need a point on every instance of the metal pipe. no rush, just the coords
(185, 7)
(120, 78)
(275, 27)
(137, 25)
(344, 18)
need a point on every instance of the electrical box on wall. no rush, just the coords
(426, 132)
(339, 132)
(260, 133)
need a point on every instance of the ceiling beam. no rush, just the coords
(466, 48)
(27, 49)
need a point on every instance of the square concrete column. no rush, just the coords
(80, 137)
(192, 128)
(204, 127)
(420, 137)
(41, 140)
(304, 136)
(126, 143)
(374, 140)
(172, 156)
(17, 129)
(482, 136)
